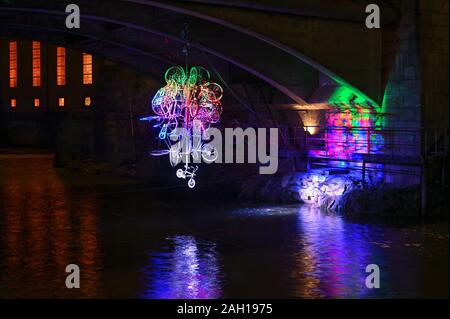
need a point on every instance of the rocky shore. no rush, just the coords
(335, 191)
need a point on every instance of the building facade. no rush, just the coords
(40, 77)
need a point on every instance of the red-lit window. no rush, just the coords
(87, 101)
(37, 102)
(60, 66)
(87, 68)
(13, 103)
(36, 54)
(61, 102)
(13, 64)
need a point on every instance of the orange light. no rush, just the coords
(87, 101)
(13, 103)
(87, 68)
(37, 102)
(61, 102)
(36, 55)
(60, 66)
(13, 64)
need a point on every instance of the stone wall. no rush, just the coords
(434, 62)
(416, 71)
(28, 130)
(415, 64)
(401, 99)
(110, 131)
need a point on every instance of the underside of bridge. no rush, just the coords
(337, 90)
(147, 35)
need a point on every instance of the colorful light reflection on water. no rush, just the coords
(132, 245)
(187, 270)
(43, 229)
(333, 256)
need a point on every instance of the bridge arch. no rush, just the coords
(125, 26)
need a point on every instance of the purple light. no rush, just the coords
(189, 271)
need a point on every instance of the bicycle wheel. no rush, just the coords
(209, 153)
(215, 92)
(193, 76)
(202, 74)
(175, 73)
(158, 102)
(191, 183)
(214, 116)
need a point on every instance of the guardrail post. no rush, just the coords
(363, 174)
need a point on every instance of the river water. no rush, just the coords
(136, 244)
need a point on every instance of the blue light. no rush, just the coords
(187, 269)
(148, 118)
(163, 133)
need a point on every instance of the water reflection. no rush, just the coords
(120, 241)
(332, 256)
(186, 269)
(43, 230)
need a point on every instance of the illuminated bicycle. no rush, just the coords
(188, 172)
(186, 148)
(189, 101)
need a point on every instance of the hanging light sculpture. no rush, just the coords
(189, 101)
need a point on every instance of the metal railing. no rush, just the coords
(398, 151)
(390, 142)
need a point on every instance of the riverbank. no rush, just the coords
(342, 192)
(336, 191)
